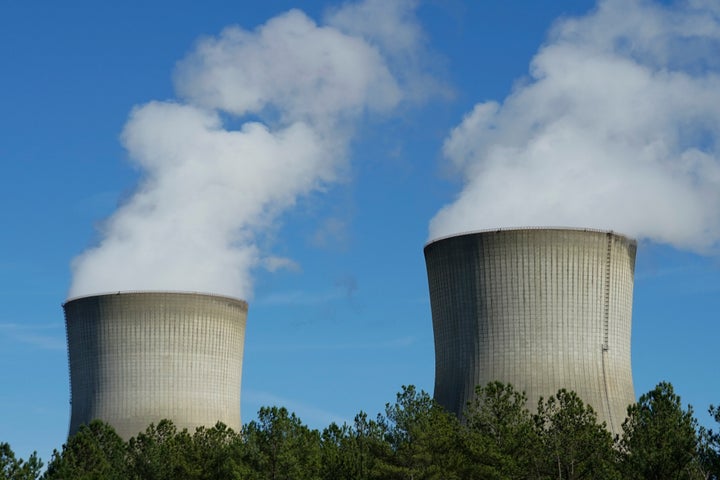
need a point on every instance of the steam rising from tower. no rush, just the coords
(616, 128)
(209, 193)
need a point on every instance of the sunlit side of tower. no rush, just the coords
(136, 358)
(541, 309)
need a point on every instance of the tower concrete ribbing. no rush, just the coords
(136, 358)
(541, 309)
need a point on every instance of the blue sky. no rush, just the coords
(339, 311)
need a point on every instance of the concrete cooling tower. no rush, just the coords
(137, 358)
(542, 309)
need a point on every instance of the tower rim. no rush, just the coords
(243, 303)
(470, 233)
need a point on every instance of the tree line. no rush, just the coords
(414, 439)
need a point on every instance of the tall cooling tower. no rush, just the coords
(137, 358)
(542, 309)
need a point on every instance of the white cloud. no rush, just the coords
(388, 24)
(306, 71)
(209, 192)
(617, 128)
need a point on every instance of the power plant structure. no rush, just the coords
(539, 308)
(139, 357)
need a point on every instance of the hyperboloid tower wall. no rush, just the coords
(542, 309)
(137, 358)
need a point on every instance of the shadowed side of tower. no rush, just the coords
(542, 309)
(136, 358)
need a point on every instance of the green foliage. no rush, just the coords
(353, 452)
(12, 468)
(370, 448)
(501, 438)
(709, 448)
(95, 452)
(218, 453)
(572, 444)
(280, 447)
(713, 445)
(425, 441)
(334, 452)
(659, 439)
(414, 439)
(162, 453)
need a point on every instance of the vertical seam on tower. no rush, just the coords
(606, 328)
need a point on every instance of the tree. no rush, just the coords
(709, 448)
(425, 440)
(162, 453)
(280, 447)
(369, 448)
(573, 444)
(501, 438)
(12, 468)
(334, 458)
(659, 438)
(95, 452)
(351, 452)
(218, 453)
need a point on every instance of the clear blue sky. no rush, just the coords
(347, 322)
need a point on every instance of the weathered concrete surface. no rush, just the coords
(136, 358)
(542, 309)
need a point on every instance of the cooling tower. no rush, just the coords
(542, 309)
(137, 358)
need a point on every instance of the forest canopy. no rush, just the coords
(414, 438)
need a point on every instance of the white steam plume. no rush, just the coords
(617, 128)
(208, 191)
